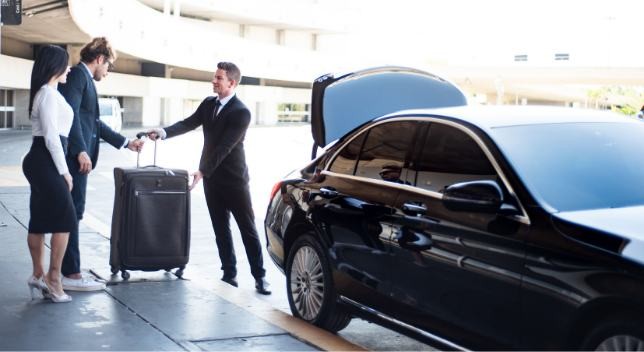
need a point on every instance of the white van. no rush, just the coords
(111, 113)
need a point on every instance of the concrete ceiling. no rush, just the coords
(51, 22)
(283, 14)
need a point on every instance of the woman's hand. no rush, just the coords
(197, 176)
(69, 180)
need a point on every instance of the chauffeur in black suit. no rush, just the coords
(97, 58)
(223, 168)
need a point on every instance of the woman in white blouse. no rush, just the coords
(51, 208)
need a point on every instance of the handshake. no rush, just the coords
(153, 134)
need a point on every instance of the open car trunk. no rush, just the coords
(341, 103)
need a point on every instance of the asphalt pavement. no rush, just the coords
(158, 310)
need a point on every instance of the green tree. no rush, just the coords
(626, 100)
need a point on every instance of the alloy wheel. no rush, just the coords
(307, 283)
(621, 343)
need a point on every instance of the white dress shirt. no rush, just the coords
(224, 101)
(51, 117)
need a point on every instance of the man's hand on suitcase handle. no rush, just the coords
(197, 176)
(154, 134)
(135, 145)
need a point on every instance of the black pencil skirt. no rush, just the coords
(51, 208)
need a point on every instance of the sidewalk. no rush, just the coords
(152, 310)
(155, 311)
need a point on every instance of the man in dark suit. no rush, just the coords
(223, 169)
(97, 58)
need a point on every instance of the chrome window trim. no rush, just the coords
(385, 183)
(523, 218)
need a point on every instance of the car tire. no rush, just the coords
(624, 334)
(309, 285)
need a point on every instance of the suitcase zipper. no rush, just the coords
(136, 193)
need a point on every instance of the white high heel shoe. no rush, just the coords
(37, 287)
(62, 298)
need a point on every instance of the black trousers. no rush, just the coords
(71, 260)
(222, 201)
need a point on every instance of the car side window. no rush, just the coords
(450, 156)
(385, 151)
(345, 161)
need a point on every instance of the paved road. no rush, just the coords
(156, 311)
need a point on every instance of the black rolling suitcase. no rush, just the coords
(150, 220)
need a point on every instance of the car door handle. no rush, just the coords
(328, 192)
(414, 208)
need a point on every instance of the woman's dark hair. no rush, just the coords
(51, 62)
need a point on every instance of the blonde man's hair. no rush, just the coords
(97, 47)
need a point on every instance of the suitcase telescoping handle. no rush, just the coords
(138, 154)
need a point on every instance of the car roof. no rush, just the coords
(488, 117)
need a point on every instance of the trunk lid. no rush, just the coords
(340, 103)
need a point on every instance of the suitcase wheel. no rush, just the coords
(115, 270)
(125, 275)
(179, 273)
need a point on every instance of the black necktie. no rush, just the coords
(217, 105)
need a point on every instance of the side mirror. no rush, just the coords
(484, 196)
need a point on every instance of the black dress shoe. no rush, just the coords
(231, 280)
(261, 285)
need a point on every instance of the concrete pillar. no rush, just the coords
(266, 113)
(280, 37)
(500, 90)
(166, 7)
(21, 112)
(314, 42)
(176, 110)
(172, 110)
(151, 111)
(132, 111)
(176, 12)
(74, 54)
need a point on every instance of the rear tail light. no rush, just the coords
(276, 187)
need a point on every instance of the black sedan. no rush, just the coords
(471, 227)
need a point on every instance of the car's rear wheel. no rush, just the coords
(309, 284)
(624, 334)
(621, 343)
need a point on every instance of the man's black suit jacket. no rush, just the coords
(87, 129)
(223, 160)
